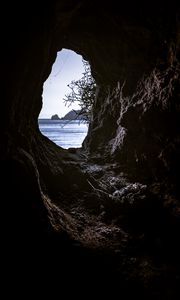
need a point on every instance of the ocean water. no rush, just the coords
(64, 133)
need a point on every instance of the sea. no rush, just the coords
(64, 133)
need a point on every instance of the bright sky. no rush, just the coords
(67, 67)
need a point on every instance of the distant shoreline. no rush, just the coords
(49, 119)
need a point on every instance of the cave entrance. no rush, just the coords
(65, 114)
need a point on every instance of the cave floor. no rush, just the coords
(90, 214)
(107, 219)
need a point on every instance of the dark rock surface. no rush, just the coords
(111, 209)
(55, 117)
(73, 115)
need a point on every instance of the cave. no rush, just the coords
(109, 211)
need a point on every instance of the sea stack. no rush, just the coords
(55, 117)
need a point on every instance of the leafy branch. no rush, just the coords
(82, 92)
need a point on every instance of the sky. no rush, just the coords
(67, 67)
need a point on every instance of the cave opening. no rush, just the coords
(64, 117)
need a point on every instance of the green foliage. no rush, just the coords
(82, 92)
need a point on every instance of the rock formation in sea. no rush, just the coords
(55, 117)
(73, 115)
(109, 212)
